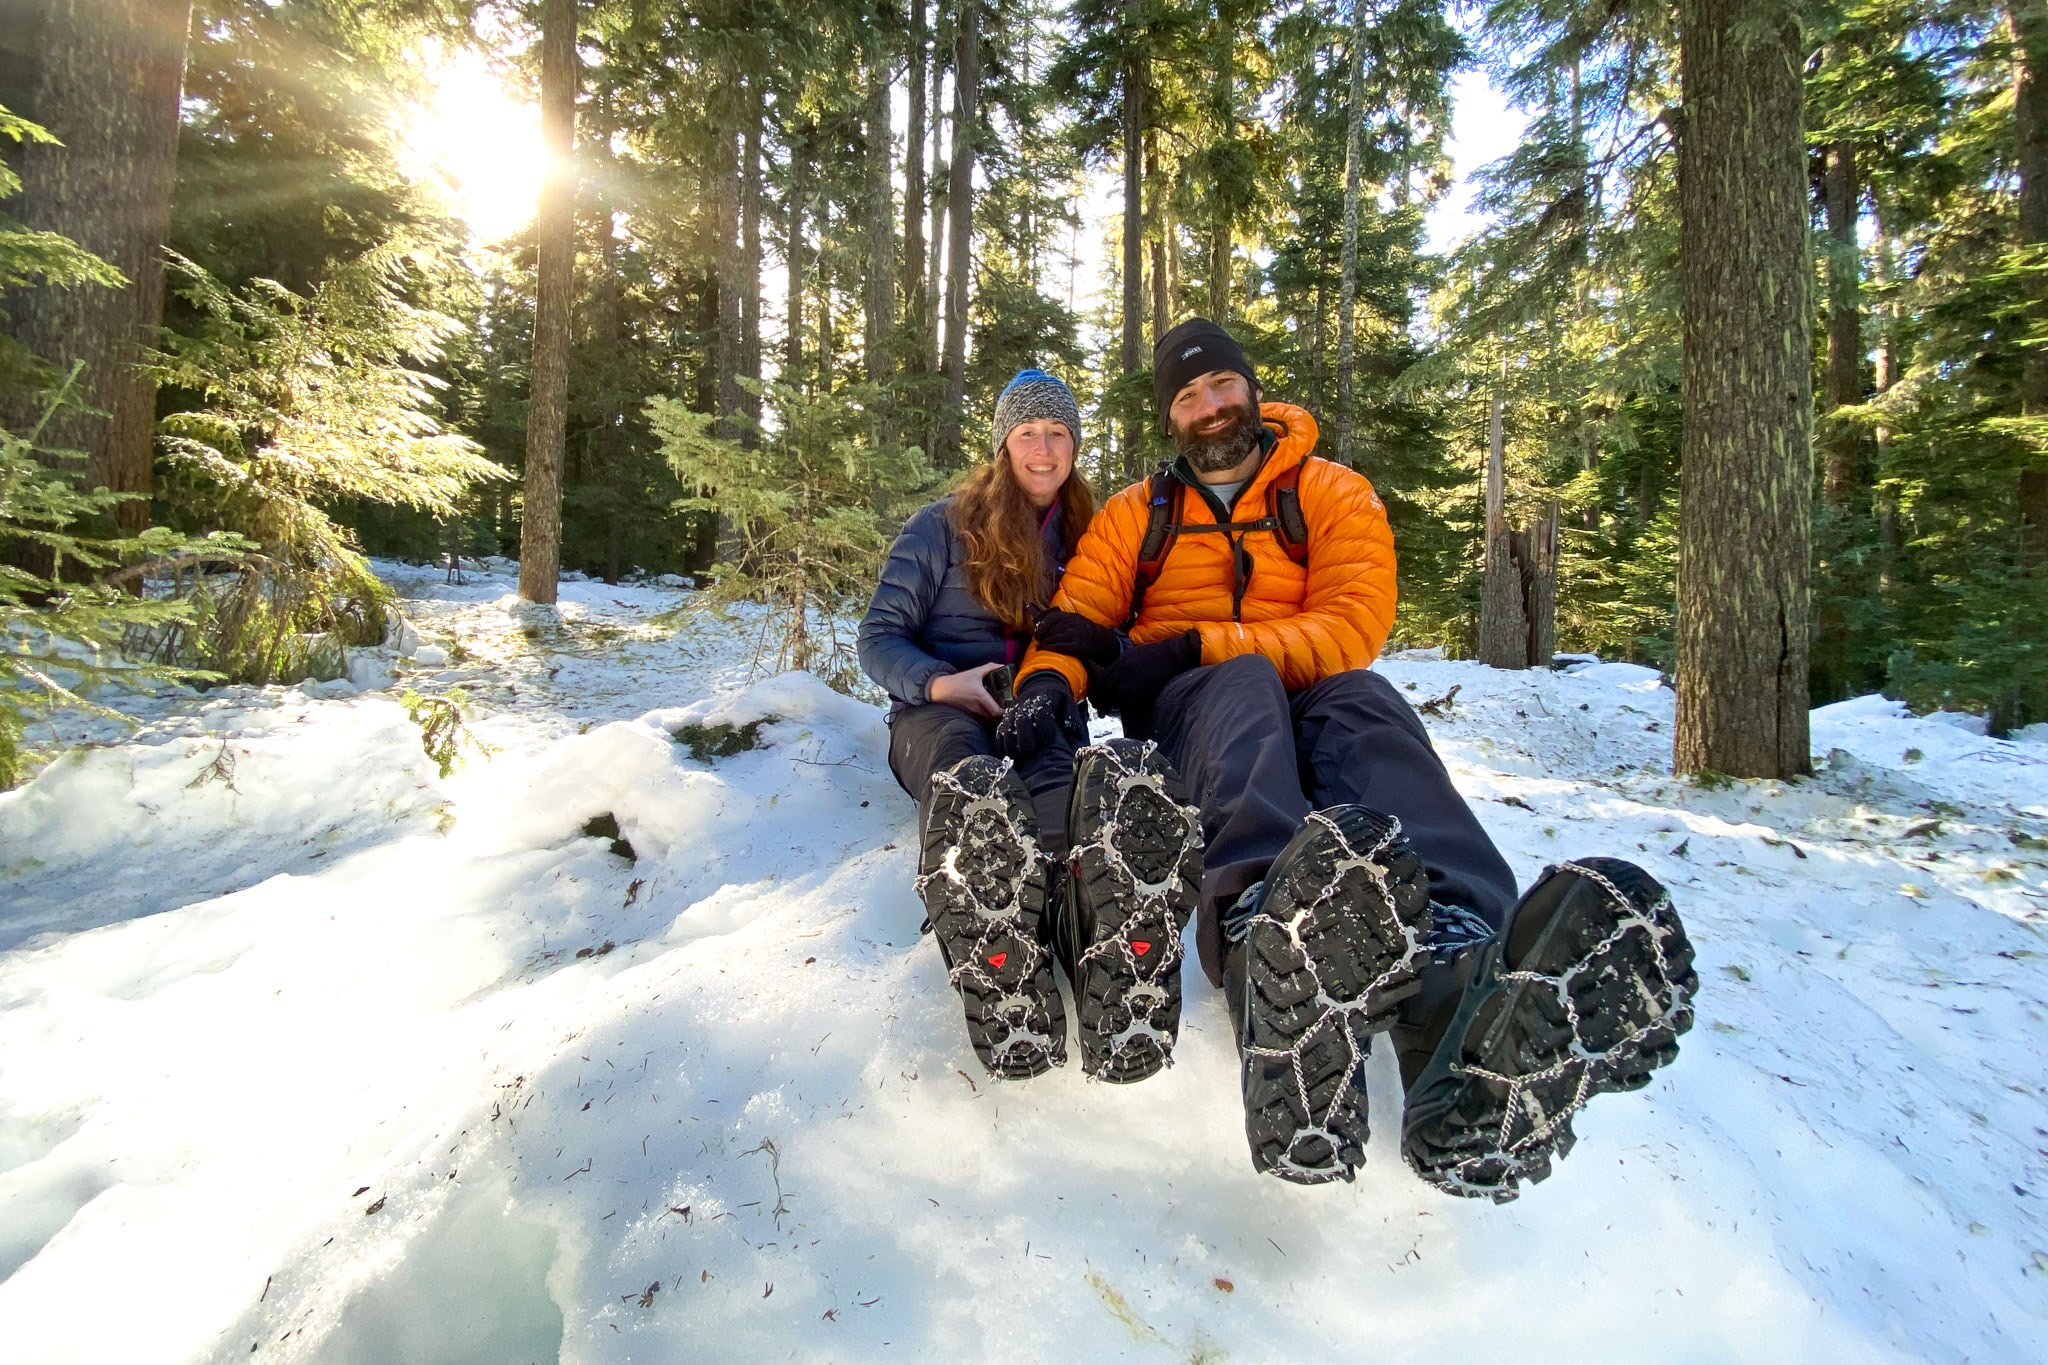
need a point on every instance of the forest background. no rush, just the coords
(786, 256)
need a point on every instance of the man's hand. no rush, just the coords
(1133, 683)
(1045, 710)
(1070, 633)
(966, 691)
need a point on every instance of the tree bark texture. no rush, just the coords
(750, 245)
(914, 305)
(731, 267)
(1162, 230)
(2029, 21)
(540, 532)
(1347, 289)
(1746, 392)
(960, 208)
(106, 83)
(1134, 238)
(1845, 469)
(941, 188)
(793, 253)
(1843, 475)
(880, 295)
(1518, 596)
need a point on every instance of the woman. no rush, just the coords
(957, 601)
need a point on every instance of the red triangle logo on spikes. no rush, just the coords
(1141, 946)
(996, 960)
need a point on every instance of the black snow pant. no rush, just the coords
(1257, 760)
(932, 738)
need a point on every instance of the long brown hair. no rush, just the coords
(1006, 567)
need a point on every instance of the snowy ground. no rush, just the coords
(307, 1053)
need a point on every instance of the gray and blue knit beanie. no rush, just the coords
(1034, 396)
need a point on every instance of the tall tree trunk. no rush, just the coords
(881, 210)
(1223, 208)
(793, 253)
(1347, 288)
(1746, 379)
(959, 249)
(106, 82)
(1843, 475)
(1884, 374)
(1162, 228)
(1845, 480)
(2029, 20)
(750, 245)
(914, 306)
(1134, 239)
(731, 277)
(941, 189)
(605, 443)
(540, 535)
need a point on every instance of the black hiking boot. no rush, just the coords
(1316, 967)
(1134, 874)
(984, 883)
(1584, 992)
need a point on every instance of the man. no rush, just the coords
(1229, 609)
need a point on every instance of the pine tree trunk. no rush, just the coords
(959, 249)
(2029, 21)
(793, 253)
(1162, 227)
(914, 306)
(750, 246)
(1845, 479)
(540, 534)
(1746, 393)
(1134, 239)
(881, 212)
(731, 279)
(106, 82)
(941, 190)
(1223, 94)
(1347, 289)
(1843, 475)
(1161, 312)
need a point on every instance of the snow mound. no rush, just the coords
(362, 1064)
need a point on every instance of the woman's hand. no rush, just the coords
(967, 690)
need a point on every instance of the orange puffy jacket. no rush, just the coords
(1311, 620)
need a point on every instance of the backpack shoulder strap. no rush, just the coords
(1162, 528)
(1286, 494)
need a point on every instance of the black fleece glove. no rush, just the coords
(1131, 685)
(1072, 634)
(1044, 710)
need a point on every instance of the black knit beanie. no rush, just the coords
(1188, 352)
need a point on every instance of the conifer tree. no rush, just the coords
(1745, 504)
(540, 541)
(105, 83)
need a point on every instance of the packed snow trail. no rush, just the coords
(307, 1053)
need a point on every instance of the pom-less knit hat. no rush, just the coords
(1188, 352)
(1034, 396)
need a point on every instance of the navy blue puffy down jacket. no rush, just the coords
(923, 621)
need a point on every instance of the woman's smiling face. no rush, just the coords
(1041, 455)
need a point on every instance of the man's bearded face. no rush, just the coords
(1223, 440)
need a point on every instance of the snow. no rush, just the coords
(308, 1053)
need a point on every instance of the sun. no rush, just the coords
(477, 141)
